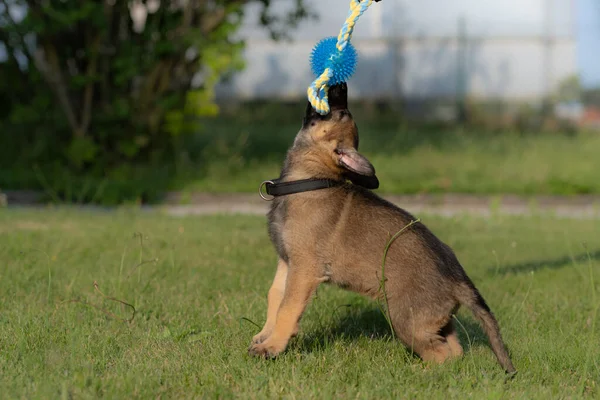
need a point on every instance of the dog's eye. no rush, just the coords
(313, 123)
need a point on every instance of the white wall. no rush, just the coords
(409, 48)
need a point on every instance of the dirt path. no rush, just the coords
(584, 206)
(447, 205)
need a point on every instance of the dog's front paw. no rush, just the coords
(260, 337)
(266, 349)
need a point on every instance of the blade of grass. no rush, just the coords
(386, 309)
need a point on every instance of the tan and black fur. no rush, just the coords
(338, 235)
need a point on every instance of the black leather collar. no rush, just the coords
(277, 188)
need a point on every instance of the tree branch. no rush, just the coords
(88, 96)
(188, 14)
(50, 69)
(212, 20)
(11, 53)
(53, 77)
(156, 82)
(14, 25)
(108, 48)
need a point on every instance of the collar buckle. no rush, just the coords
(265, 185)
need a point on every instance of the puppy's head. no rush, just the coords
(332, 141)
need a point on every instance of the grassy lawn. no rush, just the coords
(237, 150)
(408, 159)
(200, 275)
(461, 162)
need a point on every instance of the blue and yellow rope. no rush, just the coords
(317, 91)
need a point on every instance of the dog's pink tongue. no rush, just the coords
(355, 162)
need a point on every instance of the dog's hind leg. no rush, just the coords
(273, 301)
(449, 331)
(427, 342)
(301, 284)
(429, 335)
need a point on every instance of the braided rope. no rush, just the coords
(317, 91)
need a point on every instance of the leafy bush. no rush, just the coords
(95, 88)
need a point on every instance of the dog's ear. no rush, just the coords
(357, 168)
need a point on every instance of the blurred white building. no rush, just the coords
(489, 49)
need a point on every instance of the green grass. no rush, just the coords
(239, 149)
(408, 159)
(540, 275)
(496, 164)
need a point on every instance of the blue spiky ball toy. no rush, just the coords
(326, 55)
(333, 59)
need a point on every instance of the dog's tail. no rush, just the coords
(468, 296)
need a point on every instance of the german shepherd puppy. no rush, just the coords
(338, 235)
